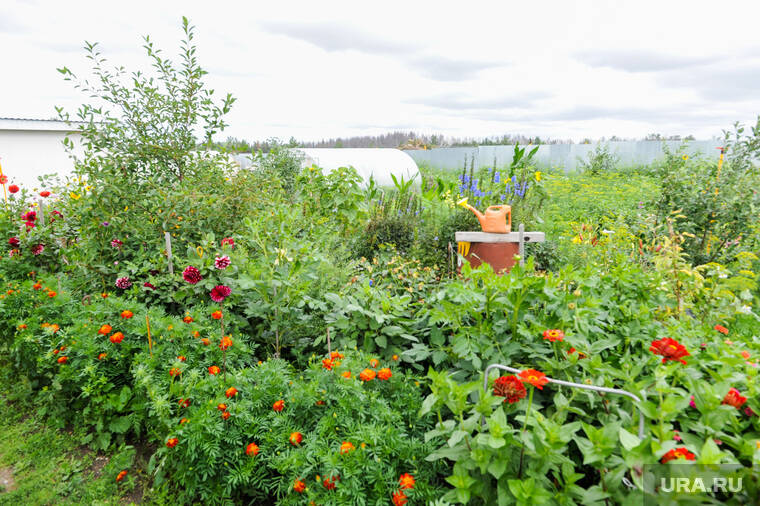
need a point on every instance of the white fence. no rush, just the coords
(563, 156)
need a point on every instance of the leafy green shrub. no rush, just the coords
(598, 161)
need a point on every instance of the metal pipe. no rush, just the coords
(573, 385)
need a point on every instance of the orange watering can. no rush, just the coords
(495, 218)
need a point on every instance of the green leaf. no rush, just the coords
(628, 440)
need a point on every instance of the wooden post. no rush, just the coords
(521, 247)
(168, 238)
(329, 346)
(42, 211)
(150, 342)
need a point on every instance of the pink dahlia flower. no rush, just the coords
(192, 275)
(123, 283)
(220, 292)
(222, 262)
(37, 249)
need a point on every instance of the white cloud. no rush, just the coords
(567, 69)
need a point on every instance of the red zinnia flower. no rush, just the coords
(384, 374)
(44, 193)
(216, 315)
(29, 216)
(117, 338)
(534, 377)
(734, 398)
(13, 188)
(510, 387)
(399, 498)
(63, 360)
(213, 370)
(554, 335)
(346, 447)
(299, 486)
(721, 329)
(228, 240)
(220, 292)
(677, 454)
(279, 405)
(104, 330)
(191, 274)
(367, 375)
(184, 403)
(226, 343)
(405, 481)
(14, 241)
(231, 392)
(3, 179)
(127, 314)
(122, 474)
(670, 349)
(116, 243)
(252, 449)
(171, 443)
(295, 438)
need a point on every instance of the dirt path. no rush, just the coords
(7, 483)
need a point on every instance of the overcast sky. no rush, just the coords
(313, 70)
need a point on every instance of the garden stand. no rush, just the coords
(497, 250)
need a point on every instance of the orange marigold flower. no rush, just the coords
(399, 498)
(406, 481)
(205, 341)
(22, 326)
(184, 403)
(182, 358)
(320, 403)
(231, 392)
(104, 330)
(677, 454)
(367, 375)
(721, 329)
(171, 443)
(225, 415)
(221, 407)
(346, 447)
(509, 387)
(295, 438)
(374, 363)
(216, 315)
(196, 333)
(554, 335)
(346, 374)
(327, 363)
(534, 377)
(37, 286)
(670, 349)
(63, 360)
(745, 355)
(299, 486)
(384, 373)
(279, 405)
(116, 338)
(127, 314)
(335, 355)
(329, 483)
(102, 356)
(226, 343)
(104, 295)
(121, 476)
(252, 449)
(183, 421)
(51, 294)
(734, 398)
(174, 371)
(56, 351)
(213, 370)
(188, 319)
(55, 327)
(394, 358)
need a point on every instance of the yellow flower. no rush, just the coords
(538, 175)
(685, 157)
(74, 196)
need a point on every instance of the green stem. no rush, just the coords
(525, 424)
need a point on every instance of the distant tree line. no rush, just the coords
(414, 140)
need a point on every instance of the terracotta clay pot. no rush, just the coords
(499, 255)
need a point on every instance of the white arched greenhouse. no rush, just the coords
(378, 163)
